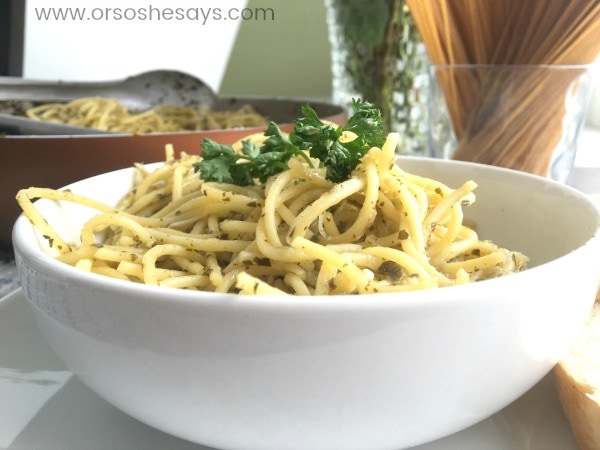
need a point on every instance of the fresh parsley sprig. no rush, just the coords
(339, 157)
(223, 164)
(322, 141)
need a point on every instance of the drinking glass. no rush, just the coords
(524, 117)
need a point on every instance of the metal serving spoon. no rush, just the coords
(138, 92)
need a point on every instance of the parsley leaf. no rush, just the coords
(220, 163)
(340, 157)
(323, 141)
(367, 123)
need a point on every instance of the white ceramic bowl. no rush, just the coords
(381, 371)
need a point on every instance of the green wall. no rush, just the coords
(286, 57)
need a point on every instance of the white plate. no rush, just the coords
(42, 405)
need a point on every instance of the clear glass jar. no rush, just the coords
(377, 55)
(520, 116)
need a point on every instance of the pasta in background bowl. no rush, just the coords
(370, 371)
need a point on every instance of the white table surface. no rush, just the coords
(586, 172)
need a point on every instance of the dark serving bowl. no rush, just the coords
(56, 160)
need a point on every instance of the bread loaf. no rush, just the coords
(577, 379)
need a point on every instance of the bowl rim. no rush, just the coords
(28, 250)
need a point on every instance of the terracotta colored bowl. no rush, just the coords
(55, 161)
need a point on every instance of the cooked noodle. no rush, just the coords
(110, 115)
(382, 230)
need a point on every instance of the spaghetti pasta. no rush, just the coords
(109, 114)
(383, 230)
(509, 70)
